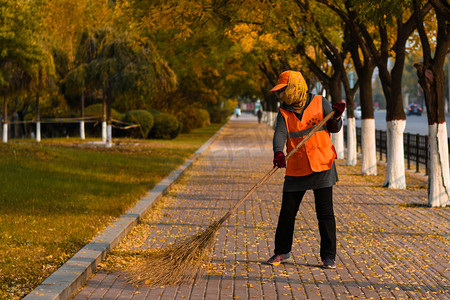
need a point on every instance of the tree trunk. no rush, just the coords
(335, 89)
(350, 89)
(395, 172)
(270, 108)
(38, 119)
(5, 119)
(351, 142)
(16, 126)
(368, 147)
(364, 68)
(108, 122)
(438, 178)
(104, 117)
(82, 133)
(338, 142)
(433, 84)
(396, 122)
(368, 141)
(432, 80)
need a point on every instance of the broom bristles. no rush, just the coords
(177, 263)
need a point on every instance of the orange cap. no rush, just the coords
(282, 81)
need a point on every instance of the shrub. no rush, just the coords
(219, 116)
(204, 117)
(193, 117)
(142, 118)
(154, 112)
(166, 126)
(220, 112)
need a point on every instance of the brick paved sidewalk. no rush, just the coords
(389, 244)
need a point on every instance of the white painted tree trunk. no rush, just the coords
(104, 131)
(351, 142)
(338, 141)
(38, 131)
(270, 118)
(368, 147)
(82, 136)
(395, 171)
(109, 136)
(5, 133)
(438, 177)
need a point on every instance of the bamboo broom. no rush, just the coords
(181, 261)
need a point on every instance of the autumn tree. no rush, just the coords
(432, 80)
(126, 67)
(385, 27)
(364, 65)
(66, 19)
(44, 68)
(44, 80)
(65, 22)
(22, 53)
(76, 81)
(193, 38)
(324, 29)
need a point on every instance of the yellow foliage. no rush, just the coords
(269, 40)
(236, 75)
(67, 18)
(249, 38)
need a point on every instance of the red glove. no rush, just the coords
(338, 109)
(279, 160)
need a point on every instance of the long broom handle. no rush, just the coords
(275, 168)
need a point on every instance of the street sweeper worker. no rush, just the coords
(311, 167)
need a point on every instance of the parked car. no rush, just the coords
(414, 109)
(357, 112)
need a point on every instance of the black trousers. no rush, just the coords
(325, 215)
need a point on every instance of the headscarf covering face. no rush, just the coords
(295, 93)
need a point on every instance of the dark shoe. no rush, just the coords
(329, 263)
(279, 258)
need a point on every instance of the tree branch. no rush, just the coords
(442, 7)
(407, 28)
(338, 11)
(423, 36)
(323, 77)
(443, 38)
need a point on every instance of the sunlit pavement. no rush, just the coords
(389, 244)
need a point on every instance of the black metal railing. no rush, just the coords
(415, 147)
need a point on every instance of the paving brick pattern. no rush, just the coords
(390, 246)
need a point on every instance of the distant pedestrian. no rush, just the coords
(259, 114)
(310, 168)
(237, 112)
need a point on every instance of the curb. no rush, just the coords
(70, 277)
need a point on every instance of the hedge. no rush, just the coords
(193, 117)
(166, 126)
(142, 118)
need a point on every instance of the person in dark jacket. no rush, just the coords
(311, 167)
(259, 114)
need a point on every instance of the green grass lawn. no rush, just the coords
(56, 195)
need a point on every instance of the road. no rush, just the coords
(414, 124)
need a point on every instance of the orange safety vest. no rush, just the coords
(318, 153)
